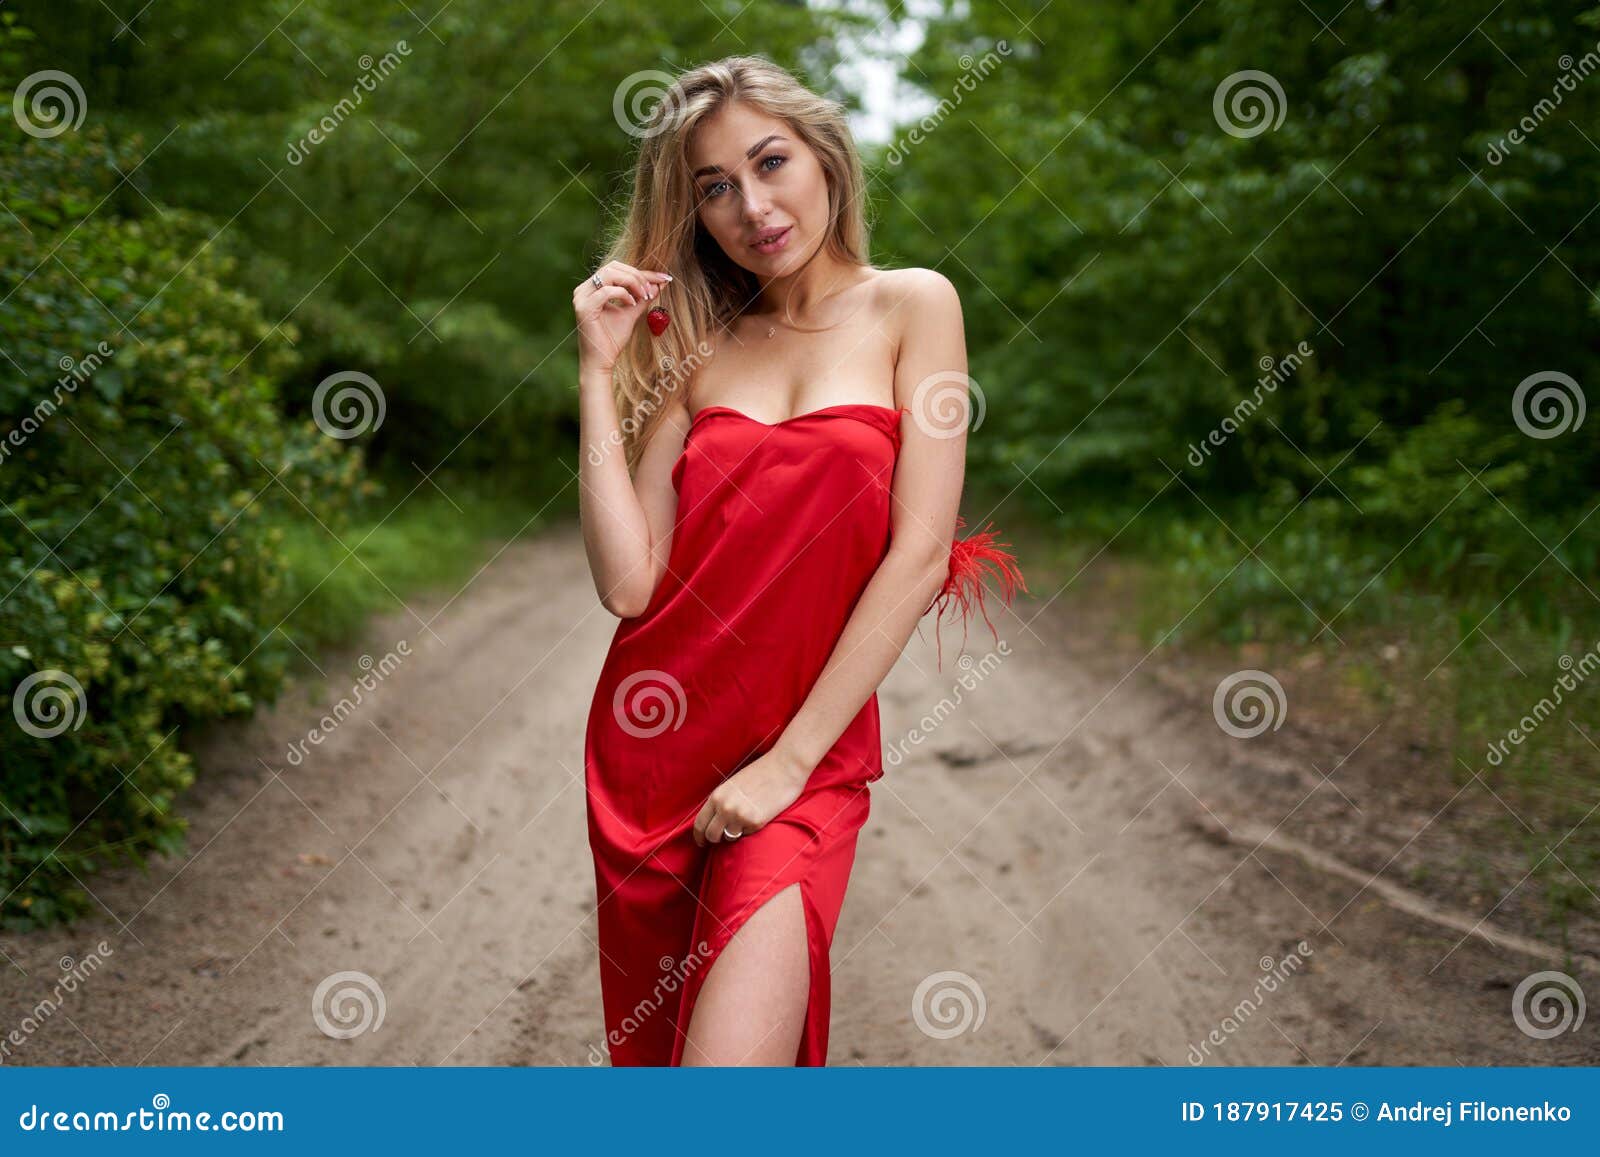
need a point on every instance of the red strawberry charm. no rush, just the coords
(657, 319)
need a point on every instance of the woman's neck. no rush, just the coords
(796, 296)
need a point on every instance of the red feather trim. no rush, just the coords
(963, 587)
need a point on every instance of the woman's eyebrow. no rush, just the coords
(750, 152)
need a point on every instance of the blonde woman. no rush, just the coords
(769, 496)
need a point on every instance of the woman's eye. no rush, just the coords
(714, 191)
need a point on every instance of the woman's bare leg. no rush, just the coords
(751, 1008)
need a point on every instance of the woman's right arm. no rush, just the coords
(627, 521)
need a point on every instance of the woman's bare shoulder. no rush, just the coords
(914, 285)
(915, 300)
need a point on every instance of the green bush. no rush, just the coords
(144, 474)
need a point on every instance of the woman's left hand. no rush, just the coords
(749, 798)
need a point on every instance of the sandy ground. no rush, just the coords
(1066, 868)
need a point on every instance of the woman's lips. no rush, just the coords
(776, 244)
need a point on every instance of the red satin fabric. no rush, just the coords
(779, 528)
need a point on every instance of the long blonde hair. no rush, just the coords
(661, 229)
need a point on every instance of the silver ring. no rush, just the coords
(727, 835)
(598, 284)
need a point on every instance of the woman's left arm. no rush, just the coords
(931, 383)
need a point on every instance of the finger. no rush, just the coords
(725, 819)
(617, 295)
(642, 286)
(614, 297)
(646, 274)
(648, 287)
(700, 822)
(608, 276)
(617, 289)
(646, 282)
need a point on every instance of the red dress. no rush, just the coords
(778, 530)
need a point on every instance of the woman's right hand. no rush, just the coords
(607, 316)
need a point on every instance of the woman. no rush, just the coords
(781, 533)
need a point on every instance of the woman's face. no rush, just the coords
(754, 177)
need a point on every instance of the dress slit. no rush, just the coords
(816, 852)
(777, 532)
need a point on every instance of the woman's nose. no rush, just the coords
(755, 206)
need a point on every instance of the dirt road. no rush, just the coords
(1047, 876)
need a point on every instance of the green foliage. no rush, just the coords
(172, 518)
(433, 237)
(146, 469)
(1130, 268)
(1127, 268)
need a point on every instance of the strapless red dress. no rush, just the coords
(779, 527)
